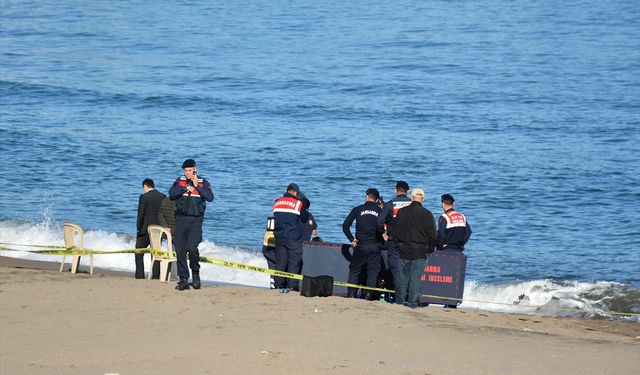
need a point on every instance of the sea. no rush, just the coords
(528, 113)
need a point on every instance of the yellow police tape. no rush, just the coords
(63, 250)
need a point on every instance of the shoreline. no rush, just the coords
(109, 322)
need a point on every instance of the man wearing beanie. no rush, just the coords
(190, 192)
(415, 235)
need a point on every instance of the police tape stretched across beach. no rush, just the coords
(63, 250)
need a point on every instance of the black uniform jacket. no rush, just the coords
(366, 218)
(148, 207)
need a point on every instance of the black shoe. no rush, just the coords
(196, 281)
(183, 284)
(370, 296)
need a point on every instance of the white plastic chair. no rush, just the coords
(74, 237)
(157, 253)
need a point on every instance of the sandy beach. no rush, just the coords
(110, 323)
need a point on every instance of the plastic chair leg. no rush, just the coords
(151, 268)
(164, 267)
(62, 263)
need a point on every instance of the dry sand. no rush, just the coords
(60, 323)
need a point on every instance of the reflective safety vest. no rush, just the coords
(289, 217)
(182, 182)
(455, 219)
(287, 205)
(398, 204)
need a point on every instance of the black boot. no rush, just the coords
(183, 284)
(371, 296)
(196, 281)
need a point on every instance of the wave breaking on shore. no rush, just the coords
(586, 299)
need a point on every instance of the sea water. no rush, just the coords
(527, 113)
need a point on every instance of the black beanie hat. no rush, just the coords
(189, 163)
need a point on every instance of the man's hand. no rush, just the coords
(194, 180)
(385, 236)
(354, 243)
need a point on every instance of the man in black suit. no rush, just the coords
(148, 207)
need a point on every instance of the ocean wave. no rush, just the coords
(48, 233)
(536, 297)
(555, 298)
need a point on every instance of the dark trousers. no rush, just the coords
(365, 257)
(392, 259)
(187, 237)
(288, 259)
(269, 253)
(142, 241)
(410, 271)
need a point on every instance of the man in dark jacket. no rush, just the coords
(387, 219)
(289, 218)
(167, 214)
(453, 229)
(190, 192)
(366, 243)
(415, 235)
(148, 206)
(311, 225)
(167, 218)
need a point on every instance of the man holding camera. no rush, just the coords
(190, 193)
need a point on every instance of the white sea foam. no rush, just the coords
(540, 297)
(47, 233)
(549, 297)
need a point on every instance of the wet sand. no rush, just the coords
(60, 323)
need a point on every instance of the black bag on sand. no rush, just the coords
(318, 286)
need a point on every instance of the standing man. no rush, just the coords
(289, 216)
(311, 225)
(366, 243)
(167, 218)
(190, 193)
(167, 214)
(148, 207)
(415, 235)
(387, 219)
(453, 229)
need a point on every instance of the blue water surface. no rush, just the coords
(527, 112)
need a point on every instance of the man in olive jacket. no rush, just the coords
(415, 235)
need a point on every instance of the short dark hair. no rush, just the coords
(149, 183)
(402, 186)
(374, 193)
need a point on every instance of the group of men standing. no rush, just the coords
(183, 213)
(408, 232)
(402, 226)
